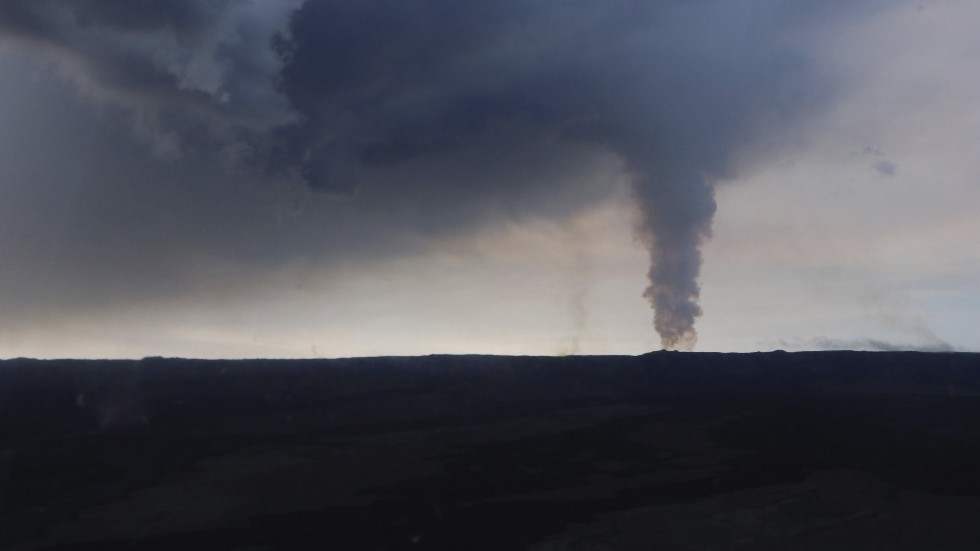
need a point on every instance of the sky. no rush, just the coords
(329, 178)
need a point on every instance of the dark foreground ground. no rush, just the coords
(666, 451)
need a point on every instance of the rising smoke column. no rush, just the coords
(334, 91)
(672, 232)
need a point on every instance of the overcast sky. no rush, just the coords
(289, 178)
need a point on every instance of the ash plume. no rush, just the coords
(338, 92)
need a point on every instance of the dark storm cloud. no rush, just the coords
(194, 76)
(432, 116)
(102, 35)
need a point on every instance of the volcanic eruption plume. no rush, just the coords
(342, 92)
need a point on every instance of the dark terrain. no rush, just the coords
(666, 451)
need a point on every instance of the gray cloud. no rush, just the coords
(428, 118)
(194, 77)
(885, 168)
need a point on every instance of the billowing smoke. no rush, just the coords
(338, 91)
(673, 233)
